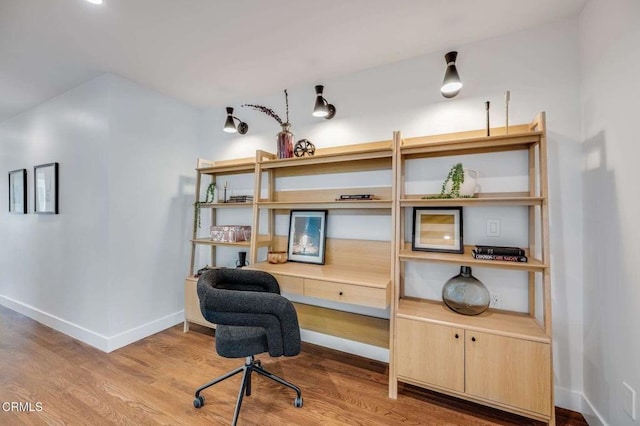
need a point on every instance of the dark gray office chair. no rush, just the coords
(251, 317)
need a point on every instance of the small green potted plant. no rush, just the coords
(452, 185)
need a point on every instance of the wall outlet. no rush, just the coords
(629, 400)
(493, 227)
(494, 301)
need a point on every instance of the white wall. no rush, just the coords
(109, 268)
(55, 263)
(539, 67)
(610, 64)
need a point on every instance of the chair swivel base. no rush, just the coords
(250, 365)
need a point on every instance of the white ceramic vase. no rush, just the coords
(470, 185)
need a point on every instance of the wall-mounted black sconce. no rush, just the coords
(451, 84)
(230, 125)
(322, 108)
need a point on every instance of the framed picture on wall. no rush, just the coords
(307, 236)
(45, 188)
(437, 229)
(17, 191)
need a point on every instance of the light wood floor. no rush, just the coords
(151, 382)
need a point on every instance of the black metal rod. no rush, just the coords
(488, 128)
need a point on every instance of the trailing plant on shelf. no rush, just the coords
(211, 189)
(456, 177)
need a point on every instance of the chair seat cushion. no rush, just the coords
(240, 342)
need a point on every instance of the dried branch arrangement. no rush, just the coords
(271, 113)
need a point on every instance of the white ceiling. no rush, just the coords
(208, 52)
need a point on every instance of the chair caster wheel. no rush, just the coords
(198, 402)
(297, 402)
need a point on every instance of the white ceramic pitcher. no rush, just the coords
(470, 185)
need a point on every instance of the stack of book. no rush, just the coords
(507, 254)
(352, 197)
(240, 199)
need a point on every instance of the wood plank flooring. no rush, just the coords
(152, 382)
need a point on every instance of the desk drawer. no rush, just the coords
(291, 285)
(346, 293)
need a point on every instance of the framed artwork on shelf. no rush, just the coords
(307, 236)
(45, 188)
(437, 229)
(17, 191)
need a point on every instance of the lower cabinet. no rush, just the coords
(192, 312)
(506, 371)
(430, 353)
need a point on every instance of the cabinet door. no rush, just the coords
(430, 353)
(509, 370)
(192, 311)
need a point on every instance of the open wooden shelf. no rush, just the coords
(225, 205)
(242, 165)
(467, 259)
(356, 275)
(263, 240)
(327, 205)
(347, 153)
(360, 328)
(503, 323)
(483, 199)
(469, 143)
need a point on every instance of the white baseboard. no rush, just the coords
(590, 414)
(567, 398)
(97, 340)
(144, 330)
(345, 345)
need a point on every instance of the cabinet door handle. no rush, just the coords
(473, 339)
(340, 293)
(457, 335)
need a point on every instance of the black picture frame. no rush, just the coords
(45, 188)
(437, 229)
(18, 191)
(307, 236)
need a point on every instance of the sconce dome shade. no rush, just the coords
(320, 107)
(229, 125)
(451, 84)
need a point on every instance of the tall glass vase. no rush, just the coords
(285, 142)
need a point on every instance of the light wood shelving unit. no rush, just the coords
(213, 170)
(347, 276)
(500, 358)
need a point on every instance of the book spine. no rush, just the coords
(502, 257)
(508, 251)
(356, 197)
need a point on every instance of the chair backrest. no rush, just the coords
(238, 297)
